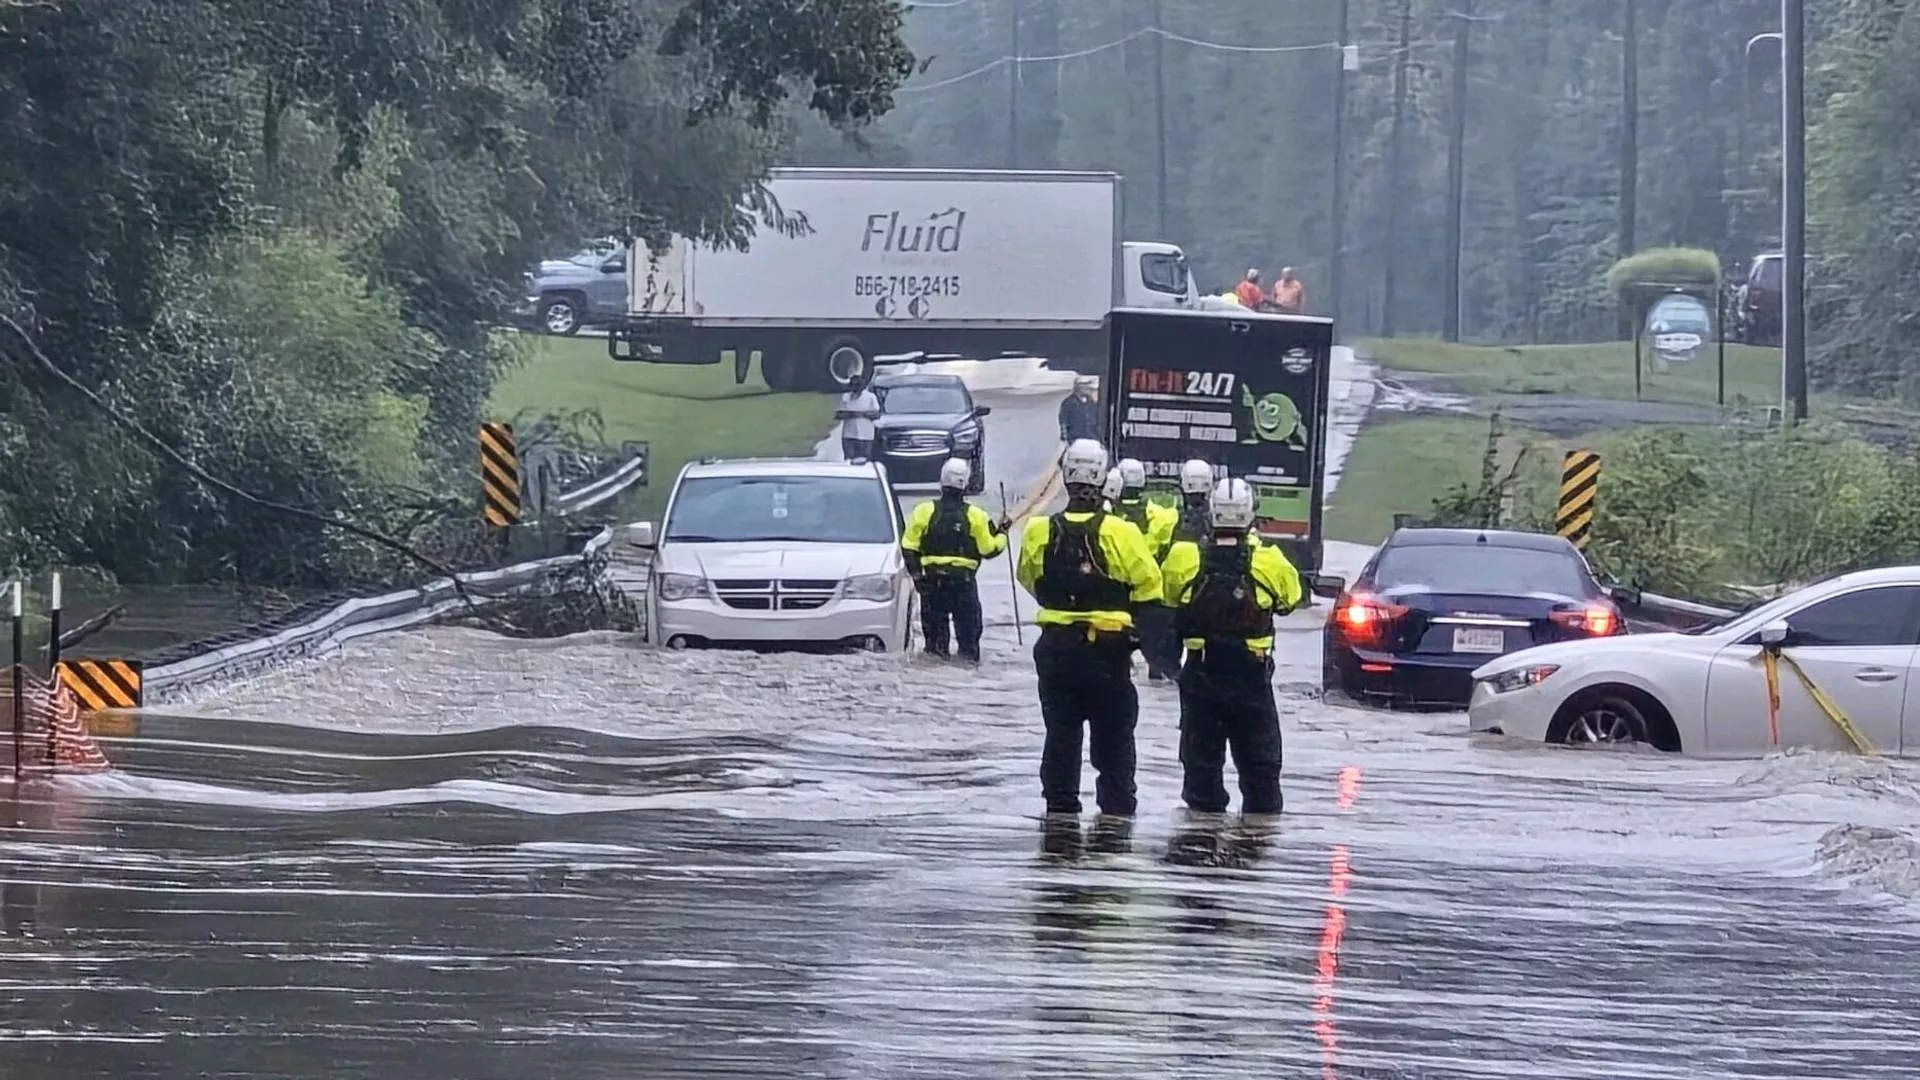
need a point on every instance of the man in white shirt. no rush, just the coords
(859, 408)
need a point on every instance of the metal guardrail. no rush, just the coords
(354, 618)
(599, 492)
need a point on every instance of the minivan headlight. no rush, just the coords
(680, 586)
(1520, 678)
(874, 587)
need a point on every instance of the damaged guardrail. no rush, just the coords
(262, 650)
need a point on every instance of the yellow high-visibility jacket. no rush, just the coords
(1127, 559)
(1277, 583)
(986, 543)
(1161, 520)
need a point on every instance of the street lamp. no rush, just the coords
(1793, 207)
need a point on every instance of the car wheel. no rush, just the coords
(1601, 720)
(560, 315)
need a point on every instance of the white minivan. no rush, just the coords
(781, 551)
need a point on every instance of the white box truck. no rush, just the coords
(964, 263)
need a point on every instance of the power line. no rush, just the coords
(1145, 31)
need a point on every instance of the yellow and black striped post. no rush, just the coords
(1579, 481)
(499, 475)
(98, 685)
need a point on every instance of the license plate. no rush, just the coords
(1479, 641)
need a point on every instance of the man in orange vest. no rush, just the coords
(1289, 293)
(1249, 290)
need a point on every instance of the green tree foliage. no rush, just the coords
(276, 232)
(1251, 168)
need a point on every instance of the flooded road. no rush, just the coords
(447, 854)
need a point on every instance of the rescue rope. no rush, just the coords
(1770, 660)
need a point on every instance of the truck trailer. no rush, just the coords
(962, 263)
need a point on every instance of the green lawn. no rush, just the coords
(1400, 464)
(683, 412)
(1600, 370)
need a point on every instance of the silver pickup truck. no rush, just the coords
(587, 288)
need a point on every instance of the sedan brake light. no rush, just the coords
(1595, 620)
(1364, 617)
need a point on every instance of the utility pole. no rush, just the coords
(1793, 207)
(1396, 171)
(1336, 280)
(1629, 138)
(1457, 165)
(1013, 84)
(1160, 117)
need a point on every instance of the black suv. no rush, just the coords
(924, 420)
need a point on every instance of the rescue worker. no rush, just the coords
(1226, 593)
(1196, 488)
(1192, 522)
(1080, 411)
(1155, 521)
(945, 541)
(1249, 292)
(1087, 569)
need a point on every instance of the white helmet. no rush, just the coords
(1115, 485)
(1084, 463)
(955, 474)
(1232, 504)
(1196, 477)
(1133, 475)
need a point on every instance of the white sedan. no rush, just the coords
(1856, 636)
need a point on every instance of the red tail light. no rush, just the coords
(1364, 617)
(1597, 620)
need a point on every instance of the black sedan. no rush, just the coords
(924, 420)
(1434, 604)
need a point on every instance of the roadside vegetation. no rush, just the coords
(681, 412)
(1701, 512)
(276, 235)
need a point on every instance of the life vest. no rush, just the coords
(1224, 601)
(1073, 574)
(950, 531)
(1195, 523)
(1134, 510)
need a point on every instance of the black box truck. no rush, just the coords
(1244, 391)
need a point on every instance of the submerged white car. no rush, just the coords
(1857, 637)
(772, 552)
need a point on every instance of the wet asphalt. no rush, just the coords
(448, 854)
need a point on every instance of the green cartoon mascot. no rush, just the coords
(1275, 419)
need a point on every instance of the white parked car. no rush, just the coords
(769, 552)
(1705, 691)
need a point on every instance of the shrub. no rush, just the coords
(1646, 275)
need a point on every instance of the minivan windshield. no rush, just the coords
(789, 509)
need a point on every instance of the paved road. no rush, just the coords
(451, 855)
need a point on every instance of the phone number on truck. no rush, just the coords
(906, 285)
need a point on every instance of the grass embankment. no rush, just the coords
(682, 412)
(1401, 464)
(1598, 370)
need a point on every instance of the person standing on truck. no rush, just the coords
(1225, 594)
(859, 408)
(1087, 569)
(1249, 292)
(945, 541)
(1080, 412)
(1289, 293)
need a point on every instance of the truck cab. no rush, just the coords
(1157, 276)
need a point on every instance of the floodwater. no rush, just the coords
(445, 854)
